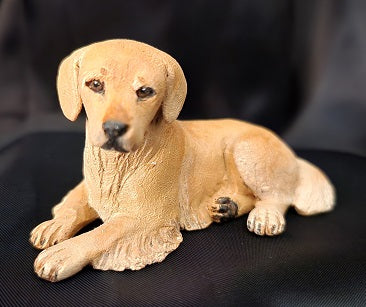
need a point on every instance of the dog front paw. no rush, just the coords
(59, 262)
(263, 221)
(51, 232)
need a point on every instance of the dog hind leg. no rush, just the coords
(269, 168)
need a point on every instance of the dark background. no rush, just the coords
(297, 67)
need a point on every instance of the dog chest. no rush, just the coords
(108, 181)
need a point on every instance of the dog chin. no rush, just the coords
(114, 145)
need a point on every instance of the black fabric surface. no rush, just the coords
(318, 261)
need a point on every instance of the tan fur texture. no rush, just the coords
(166, 175)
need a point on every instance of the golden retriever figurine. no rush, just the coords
(147, 175)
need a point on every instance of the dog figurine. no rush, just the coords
(148, 175)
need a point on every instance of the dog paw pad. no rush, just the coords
(224, 209)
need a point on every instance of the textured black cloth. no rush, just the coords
(318, 261)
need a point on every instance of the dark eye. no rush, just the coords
(145, 92)
(96, 86)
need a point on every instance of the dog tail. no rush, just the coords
(315, 193)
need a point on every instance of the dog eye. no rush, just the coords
(145, 92)
(96, 86)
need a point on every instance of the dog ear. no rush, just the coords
(67, 85)
(176, 90)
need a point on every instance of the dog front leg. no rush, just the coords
(69, 257)
(69, 216)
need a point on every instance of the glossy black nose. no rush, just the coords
(113, 129)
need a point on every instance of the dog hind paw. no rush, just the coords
(224, 209)
(263, 221)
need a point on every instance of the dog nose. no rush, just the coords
(114, 129)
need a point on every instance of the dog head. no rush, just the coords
(124, 86)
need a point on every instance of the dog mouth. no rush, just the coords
(113, 144)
